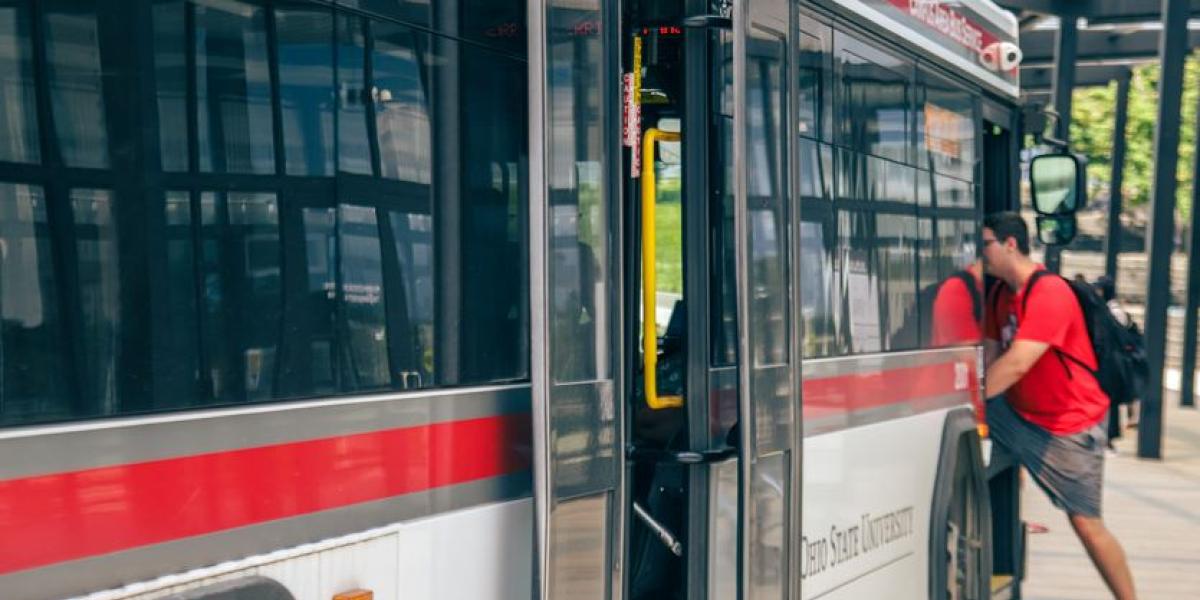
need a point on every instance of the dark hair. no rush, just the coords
(1009, 224)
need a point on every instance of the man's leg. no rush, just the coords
(1106, 554)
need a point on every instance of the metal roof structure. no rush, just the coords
(1073, 43)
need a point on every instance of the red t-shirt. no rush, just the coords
(954, 315)
(1057, 393)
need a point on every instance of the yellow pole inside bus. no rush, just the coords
(649, 283)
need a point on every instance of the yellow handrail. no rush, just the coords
(649, 301)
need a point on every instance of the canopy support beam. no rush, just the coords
(1112, 242)
(1172, 53)
(1187, 371)
(1064, 86)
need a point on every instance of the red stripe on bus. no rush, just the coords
(52, 518)
(845, 394)
(58, 517)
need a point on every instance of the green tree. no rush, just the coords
(1092, 115)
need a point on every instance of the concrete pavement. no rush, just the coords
(1153, 507)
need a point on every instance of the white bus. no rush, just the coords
(500, 299)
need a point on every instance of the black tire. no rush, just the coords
(961, 523)
(968, 570)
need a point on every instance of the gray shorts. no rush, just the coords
(1070, 468)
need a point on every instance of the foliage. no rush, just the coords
(1092, 115)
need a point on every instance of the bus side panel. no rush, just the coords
(868, 493)
(483, 553)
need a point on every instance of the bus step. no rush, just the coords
(1002, 587)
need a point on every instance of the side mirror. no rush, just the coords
(1056, 183)
(1056, 230)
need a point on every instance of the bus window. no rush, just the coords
(813, 83)
(76, 93)
(19, 128)
(946, 124)
(31, 335)
(873, 99)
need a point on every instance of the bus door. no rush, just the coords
(768, 366)
(575, 286)
(707, 277)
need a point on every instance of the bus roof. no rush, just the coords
(975, 38)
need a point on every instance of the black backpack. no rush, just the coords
(917, 329)
(1123, 370)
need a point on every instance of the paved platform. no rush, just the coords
(1153, 507)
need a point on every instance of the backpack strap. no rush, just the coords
(1037, 275)
(1063, 357)
(976, 302)
(994, 296)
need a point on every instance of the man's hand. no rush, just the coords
(1012, 366)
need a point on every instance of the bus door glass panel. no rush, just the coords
(583, 461)
(766, 442)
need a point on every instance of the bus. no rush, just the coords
(312, 299)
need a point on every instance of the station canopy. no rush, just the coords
(1113, 37)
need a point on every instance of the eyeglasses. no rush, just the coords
(987, 241)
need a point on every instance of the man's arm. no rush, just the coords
(1012, 366)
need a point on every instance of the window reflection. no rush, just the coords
(99, 296)
(311, 362)
(860, 292)
(18, 130)
(400, 105)
(242, 297)
(171, 83)
(76, 85)
(233, 88)
(31, 343)
(413, 235)
(361, 274)
(895, 256)
(769, 277)
(306, 98)
(873, 97)
(578, 219)
(354, 142)
(819, 289)
(813, 102)
(946, 125)
(343, 252)
(176, 354)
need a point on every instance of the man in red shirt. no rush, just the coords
(1052, 418)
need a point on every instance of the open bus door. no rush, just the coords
(714, 404)
(769, 440)
(575, 315)
(694, 494)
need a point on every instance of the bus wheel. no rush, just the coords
(966, 576)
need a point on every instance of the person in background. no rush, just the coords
(1051, 417)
